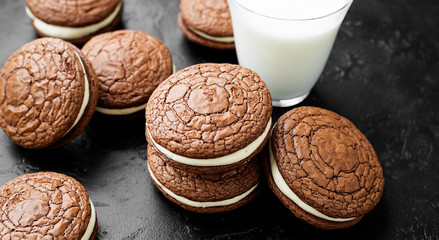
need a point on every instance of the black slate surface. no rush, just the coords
(383, 74)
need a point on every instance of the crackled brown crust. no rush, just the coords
(72, 13)
(208, 110)
(91, 105)
(208, 16)
(44, 205)
(200, 40)
(41, 92)
(327, 162)
(129, 65)
(205, 187)
(84, 39)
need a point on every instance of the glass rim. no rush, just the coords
(348, 2)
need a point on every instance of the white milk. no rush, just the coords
(287, 42)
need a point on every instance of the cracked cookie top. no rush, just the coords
(42, 87)
(72, 13)
(129, 65)
(44, 205)
(208, 110)
(327, 162)
(208, 16)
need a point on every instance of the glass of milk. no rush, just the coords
(287, 42)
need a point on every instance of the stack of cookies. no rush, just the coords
(205, 126)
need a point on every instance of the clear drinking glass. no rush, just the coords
(288, 51)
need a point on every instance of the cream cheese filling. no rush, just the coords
(230, 39)
(124, 111)
(86, 96)
(69, 33)
(192, 203)
(91, 223)
(286, 190)
(219, 161)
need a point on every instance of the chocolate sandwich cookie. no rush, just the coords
(323, 168)
(75, 20)
(205, 193)
(207, 22)
(129, 65)
(209, 117)
(48, 94)
(46, 205)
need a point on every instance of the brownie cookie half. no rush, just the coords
(207, 22)
(205, 193)
(48, 94)
(75, 20)
(208, 117)
(129, 66)
(323, 168)
(46, 205)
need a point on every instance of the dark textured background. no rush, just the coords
(383, 75)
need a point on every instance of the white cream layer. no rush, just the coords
(86, 95)
(219, 161)
(124, 111)
(91, 223)
(213, 38)
(69, 33)
(286, 190)
(121, 111)
(192, 203)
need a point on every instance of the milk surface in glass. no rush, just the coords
(287, 42)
